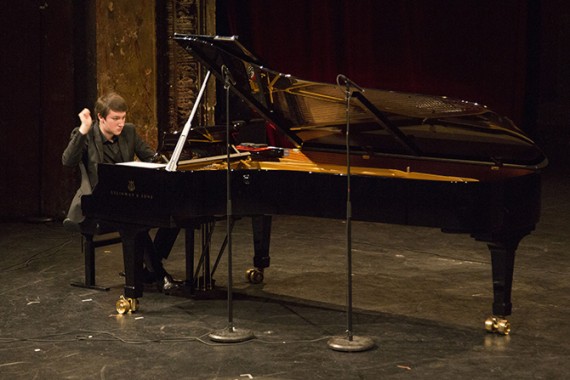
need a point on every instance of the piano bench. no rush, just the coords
(93, 235)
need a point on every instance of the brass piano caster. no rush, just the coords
(497, 325)
(127, 305)
(254, 276)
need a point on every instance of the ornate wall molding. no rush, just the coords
(137, 57)
(184, 74)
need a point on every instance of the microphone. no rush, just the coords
(348, 82)
(228, 78)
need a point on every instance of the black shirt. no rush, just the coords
(112, 151)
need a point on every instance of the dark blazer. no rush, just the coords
(87, 152)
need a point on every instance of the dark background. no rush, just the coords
(509, 55)
(480, 50)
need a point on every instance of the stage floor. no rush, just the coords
(421, 295)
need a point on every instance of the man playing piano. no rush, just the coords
(111, 140)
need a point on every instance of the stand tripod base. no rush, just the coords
(231, 335)
(356, 344)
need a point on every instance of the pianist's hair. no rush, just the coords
(110, 102)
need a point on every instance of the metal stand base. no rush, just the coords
(231, 335)
(356, 344)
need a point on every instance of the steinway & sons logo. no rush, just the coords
(131, 193)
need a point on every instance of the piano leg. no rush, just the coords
(503, 259)
(133, 239)
(261, 225)
(502, 249)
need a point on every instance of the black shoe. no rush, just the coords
(169, 284)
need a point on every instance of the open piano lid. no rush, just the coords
(313, 115)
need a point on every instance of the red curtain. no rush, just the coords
(471, 49)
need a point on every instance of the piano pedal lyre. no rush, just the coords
(127, 305)
(254, 276)
(497, 325)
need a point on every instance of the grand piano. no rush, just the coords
(412, 160)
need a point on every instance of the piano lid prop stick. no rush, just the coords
(173, 163)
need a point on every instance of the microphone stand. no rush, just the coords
(230, 334)
(349, 342)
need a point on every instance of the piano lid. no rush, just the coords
(313, 114)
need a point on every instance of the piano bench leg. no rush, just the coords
(89, 244)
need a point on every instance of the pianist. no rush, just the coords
(109, 139)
